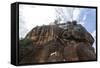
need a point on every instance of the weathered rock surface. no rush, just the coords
(51, 43)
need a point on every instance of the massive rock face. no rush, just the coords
(51, 43)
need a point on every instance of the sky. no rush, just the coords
(36, 15)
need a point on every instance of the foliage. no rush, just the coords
(25, 42)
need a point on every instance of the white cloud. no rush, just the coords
(69, 13)
(84, 18)
(33, 16)
(76, 13)
(94, 33)
(82, 23)
(64, 13)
